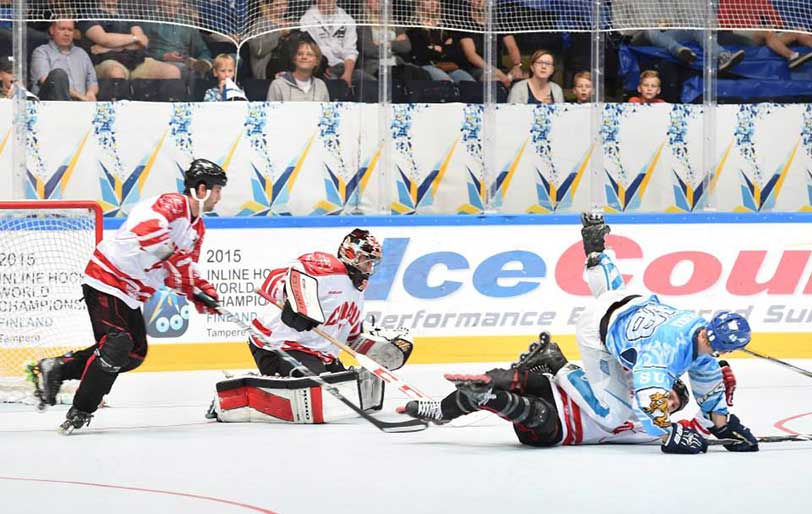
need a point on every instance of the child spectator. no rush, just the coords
(582, 87)
(300, 85)
(649, 89)
(223, 71)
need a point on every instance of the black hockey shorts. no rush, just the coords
(270, 363)
(111, 314)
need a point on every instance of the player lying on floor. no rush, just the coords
(635, 342)
(549, 402)
(317, 290)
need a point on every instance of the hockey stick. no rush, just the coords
(777, 361)
(412, 425)
(368, 363)
(766, 439)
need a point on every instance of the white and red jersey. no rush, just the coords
(579, 428)
(129, 265)
(341, 302)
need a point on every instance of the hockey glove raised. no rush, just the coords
(729, 380)
(684, 440)
(735, 430)
(209, 290)
(298, 322)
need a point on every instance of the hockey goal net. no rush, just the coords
(44, 247)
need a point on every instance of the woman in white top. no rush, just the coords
(538, 89)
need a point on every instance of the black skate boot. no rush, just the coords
(46, 376)
(593, 232)
(543, 356)
(211, 413)
(478, 388)
(73, 420)
(426, 410)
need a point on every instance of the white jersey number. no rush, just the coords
(646, 320)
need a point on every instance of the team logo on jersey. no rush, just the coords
(658, 409)
(166, 314)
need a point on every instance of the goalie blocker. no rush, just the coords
(294, 400)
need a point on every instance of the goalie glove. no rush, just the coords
(390, 348)
(729, 380)
(302, 310)
(183, 278)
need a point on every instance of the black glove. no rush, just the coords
(296, 321)
(684, 440)
(735, 430)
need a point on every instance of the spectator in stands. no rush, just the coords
(6, 77)
(582, 87)
(372, 38)
(226, 89)
(433, 48)
(665, 14)
(62, 71)
(473, 48)
(300, 85)
(649, 89)
(761, 13)
(118, 48)
(273, 27)
(538, 89)
(178, 45)
(334, 32)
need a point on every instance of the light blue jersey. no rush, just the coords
(657, 343)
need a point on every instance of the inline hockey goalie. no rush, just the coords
(317, 290)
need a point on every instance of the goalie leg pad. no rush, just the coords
(286, 399)
(114, 353)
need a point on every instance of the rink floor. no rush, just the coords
(151, 451)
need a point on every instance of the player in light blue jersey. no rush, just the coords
(634, 348)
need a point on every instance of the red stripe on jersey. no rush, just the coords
(146, 243)
(267, 287)
(318, 404)
(292, 345)
(576, 420)
(262, 328)
(118, 277)
(149, 227)
(172, 206)
(320, 263)
(565, 406)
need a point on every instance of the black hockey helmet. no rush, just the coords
(681, 389)
(204, 171)
(360, 252)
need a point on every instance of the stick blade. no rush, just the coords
(402, 427)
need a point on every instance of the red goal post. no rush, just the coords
(44, 248)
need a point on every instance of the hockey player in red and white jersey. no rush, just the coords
(342, 279)
(335, 305)
(159, 244)
(535, 395)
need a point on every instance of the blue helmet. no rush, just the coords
(728, 331)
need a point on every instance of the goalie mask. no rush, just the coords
(360, 252)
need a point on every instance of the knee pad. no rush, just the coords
(115, 352)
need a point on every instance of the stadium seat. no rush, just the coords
(473, 92)
(159, 90)
(428, 91)
(111, 90)
(365, 91)
(339, 90)
(256, 90)
(199, 87)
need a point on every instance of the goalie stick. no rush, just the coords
(378, 370)
(766, 439)
(777, 361)
(412, 425)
